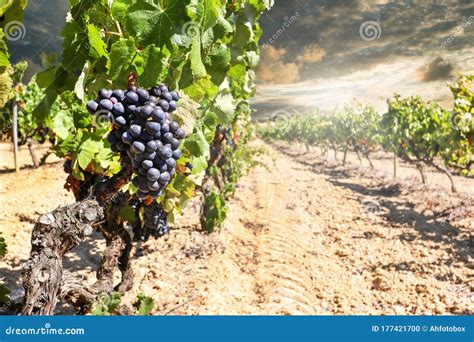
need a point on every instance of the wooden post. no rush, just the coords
(15, 133)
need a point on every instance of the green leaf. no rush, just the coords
(225, 109)
(106, 304)
(62, 123)
(98, 48)
(154, 22)
(197, 67)
(122, 55)
(144, 304)
(87, 152)
(75, 46)
(79, 86)
(197, 144)
(155, 61)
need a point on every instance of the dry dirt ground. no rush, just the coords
(304, 235)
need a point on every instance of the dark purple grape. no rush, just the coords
(143, 189)
(139, 121)
(135, 164)
(164, 88)
(174, 126)
(131, 109)
(177, 154)
(104, 94)
(118, 94)
(112, 138)
(113, 100)
(164, 105)
(175, 96)
(153, 174)
(160, 144)
(93, 106)
(164, 177)
(118, 109)
(139, 157)
(152, 127)
(146, 111)
(147, 164)
(150, 156)
(151, 146)
(172, 106)
(114, 148)
(151, 104)
(166, 152)
(180, 134)
(162, 166)
(153, 99)
(146, 137)
(106, 104)
(143, 95)
(132, 88)
(131, 97)
(166, 96)
(153, 186)
(121, 146)
(165, 128)
(138, 147)
(127, 138)
(167, 137)
(171, 162)
(135, 130)
(142, 171)
(142, 195)
(174, 143)
(155, 91)
(120, 121)
(158, 115)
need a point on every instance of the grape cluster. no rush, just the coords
(150, 221)
(144, 130)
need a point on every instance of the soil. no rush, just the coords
(304, 235)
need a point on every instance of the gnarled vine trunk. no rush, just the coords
(56, 233)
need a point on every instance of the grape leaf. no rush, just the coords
(197, 67)
(98, 48)
(144, 304)
(122, 55)
(154, 22)
(225, 109)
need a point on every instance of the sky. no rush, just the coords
(327, 53)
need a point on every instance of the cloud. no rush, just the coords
(311, 54)
(274, 69)
(437, 69)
